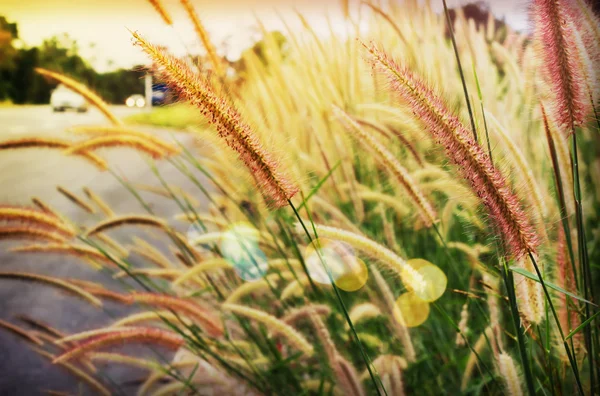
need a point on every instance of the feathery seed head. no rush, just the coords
(509, 374)
(474, 164)
(84, 91)
(158, 6)
(227, 121)
(120, 336)
(204, 38)
(563, 67)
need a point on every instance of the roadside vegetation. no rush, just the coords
(411, 208)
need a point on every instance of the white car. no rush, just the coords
(62, 98)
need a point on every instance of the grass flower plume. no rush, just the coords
(473, 163)
(238, 135)
(563, 67)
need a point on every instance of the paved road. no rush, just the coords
(37, 172)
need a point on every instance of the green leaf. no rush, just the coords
(581, 326)
(319, 184)
(551, 285)
(479, 94)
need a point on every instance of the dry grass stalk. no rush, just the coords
(69, 249)
(83, 91)
(35, 217)
(124, 359)
(37, 142)
(116, 141)
(187, 307)
(568, 315)
(99, 202)
(150, 316)
(410, 147)
(94, 384)
(364, 311)
(121, 131)
(204, 37)
(140, 220)
(473, 163)
(164, 273)
(534, 193)
(21, 332)
(230, 127)
(410, 277)
(510, 375)
(348, 378)
(113, 245)
(26, 232)
(75, 199)
(257, 286)
(472, 362)
(463, 324)
(296, 314)
(392, 165)
(98, 290)
(160, 9)
(168, 194)
(40, 325)
(44, 207)
(563, 71)
(390, 370)
(530, 294)
(142, 335)
(275, 325)
(386, 199)
(395, 315)
(150, 253)
(53, 282)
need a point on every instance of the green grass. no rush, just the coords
(177, 116)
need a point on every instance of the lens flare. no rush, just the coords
(414, 311)
(355, 277)
(194, 231)
(347, 271)
(239, 246)
(435, 281)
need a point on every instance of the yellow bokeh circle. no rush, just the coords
(329, 260)
(434, 280)
(411, 310)
(354, 275)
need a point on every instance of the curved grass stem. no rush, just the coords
(378, 385)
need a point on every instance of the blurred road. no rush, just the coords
(36, 172)
(25, 119)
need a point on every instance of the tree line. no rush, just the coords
(20, 84)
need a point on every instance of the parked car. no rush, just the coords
(62, 98)
(161, 95)
(135, 100)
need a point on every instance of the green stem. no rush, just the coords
(341, 301)
(583, 259)
(510, 289)
(562, 335)
(460, 70)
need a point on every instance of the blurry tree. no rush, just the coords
(260, 50)
(8, 33)
(480, 13)
(20, 84)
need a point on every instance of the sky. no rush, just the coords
(231, 23)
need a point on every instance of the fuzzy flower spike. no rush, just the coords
(474, 164)
(238, 135)
(564, 71)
